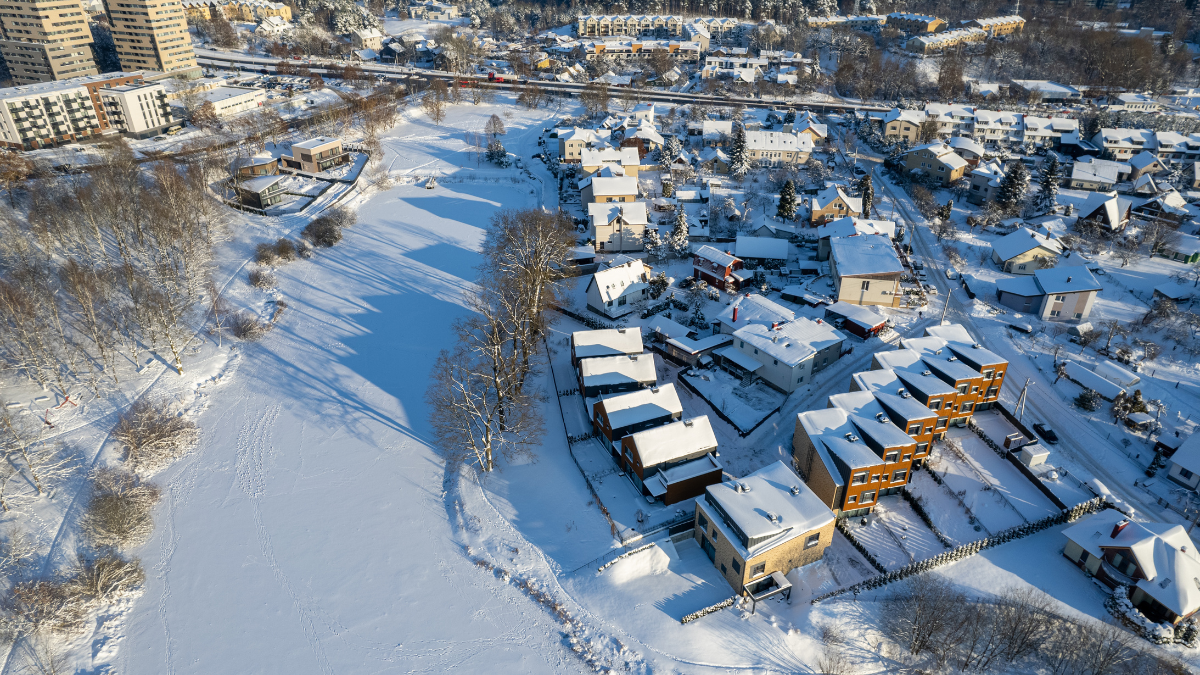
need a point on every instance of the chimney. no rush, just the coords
(735, 310)
(1118, 527)
(1068, 280)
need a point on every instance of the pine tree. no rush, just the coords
(789, 117)
(653, 244)
(787, 201)
(668, 189)
(1013, 188)
(867, 190)
(1051, 177)
(739, 164)
(678, 243)
(671, 148)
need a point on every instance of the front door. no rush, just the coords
(709, 549)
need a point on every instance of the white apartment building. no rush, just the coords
(748, 68)
(952, 119)
(637, 24)
(778, 147)
(433, 11)
(46, 114)
(1125, 143)
(1048, 131)
(993, 126)
(137, 110)
(231, 100)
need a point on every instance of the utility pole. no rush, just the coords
(946, 308)
(1021, 401)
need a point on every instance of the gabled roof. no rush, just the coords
(603, 186)
(721, 258)
(606, 342)
(674, 441)
(623, 369)
(624, 410)
(861, 315)
(778, 140)
(1023, 241)
(943, 153)
(966, 144)
(830, 194)
(1143, 160)
(761, 247)
(622, 156)
(848, 226)
(912, 116)
(1108, 204)
(614, 282)
(863, 255)
(633, 213)
(754, 309)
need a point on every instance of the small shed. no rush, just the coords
(1140, 421)
(662, 329)
(1116, 374)
(1176, 292)
(1090, 380)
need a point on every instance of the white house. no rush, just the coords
(617, 226)
(615, 292)
(752, 309)
(789, 353)
(1185, 463)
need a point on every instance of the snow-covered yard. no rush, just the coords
(746, 407)
(895, 534)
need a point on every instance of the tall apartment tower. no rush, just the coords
(151, 35)
(46, 40)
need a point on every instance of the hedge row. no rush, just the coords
(621, 557)
(727, 602)
(919, 508)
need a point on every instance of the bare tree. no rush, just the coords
(434, 101)
(595, 97)
(119, 513)
(920, 614)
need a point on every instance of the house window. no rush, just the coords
(737, 566)
(859, 478)
(964, 389)
(935, 404)
(866, 285)
(702, 521)
(1184, 473)
(760, 568)
(867, 497)
(941, 423)
(723, 570)
(1055, 312)
(852, 499)
(907, 456)
(812, 540)
(987, 374)
(899, 476)
(1021, 267)
(914, 429)
(1078, 315)
(891, 456)
(1060, 298)
(874, 478)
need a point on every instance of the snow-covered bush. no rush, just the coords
(153, 433)
(727, 602)
(118, 515)
(262, 278)
(1119, 604)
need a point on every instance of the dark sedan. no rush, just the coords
(1046, 433)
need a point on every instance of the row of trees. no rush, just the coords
(482, 397)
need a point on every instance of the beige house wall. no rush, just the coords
(1028, 259)
(1071, 304)
(883, 291)
(783, 558)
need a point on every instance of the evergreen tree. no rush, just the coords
(654, 245)
(671, 148)
(678, 242)
(789, 117)
(739, 164)
(668, 189)
(658, 284)
(1013, 188)
(698, 320)
(787, 201)
(867, 191)
(1051, 177)
(496, 153)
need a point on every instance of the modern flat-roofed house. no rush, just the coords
(617, 226)
(858, 320)
(851, 461)
(1107, 210)
(316, 155)
(1025, 251)
(618, 416)
(789, 353)
(1057, 294)
(912, 398)
(605, 375)
(673, 462)
(616, 291)
(259, 192)
(1158, 561)
(586, 344)
(601, 189)
(249, 167)
(937, 160)
(976, 373)
(832, 203)
(903, 411)
(865, 270)
(758, 528)
(1184, 464)
(849, 227)
(716, 267)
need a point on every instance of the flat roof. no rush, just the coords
(606, 342)
(769, 507)
(638, 406)
(674, 441)
(314, 142)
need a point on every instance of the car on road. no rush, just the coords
(951, 273)
(859, 171)
(1046, 433)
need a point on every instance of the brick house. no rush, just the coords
(716, 267)
(674, 462)
(618, 416)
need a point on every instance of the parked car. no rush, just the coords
(1046, 433)
(951, 273)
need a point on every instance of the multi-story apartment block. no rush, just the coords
(747, 67)
(999, 25)
(777, 148)
(1125, 143)
(49, 113)
(626, 50)
(257, 10)
(592, 25)
(915, 24)
(433, 11)
(992, 126)
(44, 42)
(936, 42)
(1174, 148)
(152, 35)
(952, 119)
(138, 110)
(859, 22)
(1048, 131)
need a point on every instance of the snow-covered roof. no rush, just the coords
(259, 183)
(831, 430)
(613, 370)
(1188, 454)
(1100, 171)
(715, 128)
(761, 247)
(314, 142)
(1024, 286)
(914, 117)
(830, 194)
(942, 153)
(740, 358)
(1022, 241)
(633, 213)
(613, 187)
(614, 282)
(937, 357)
(1174, 290)
(1090, 380)
(754, 308)
(714, 255)
(1066, 280)
(1143, 160)
(861, 315)
(768, 507)
(1163, 552)
(1116, 374)
(606, 342)
(667, 328)
(966, 144)
(624, 410)
(848, 226)
(778, 140)
(705, 343)
(1053, 89)
(864, 254)
(1141, 138)
(674, 441)
(1109, 203)
(622, 156)
(793, 342)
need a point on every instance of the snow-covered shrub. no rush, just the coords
(153, 433)
(248, 327)
(727, 602)
(118, 515)
(324, 231)
(1122, 607)
(107, 577)
(285, 250)
(262, 278)
(43, 606)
